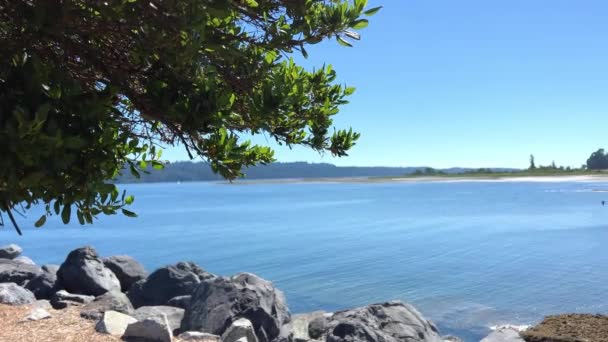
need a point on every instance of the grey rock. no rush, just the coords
(240, 330)
(317, 326)
(45, 285)
(62, 299)
(24, 260)
(127, 270)
(505, 334)
(180, 301)
(173, 315)
(109, 301)
(43, 304)
(37, 314)
(13, 294)
(451, 338)
(12, 271)
(300, 324)
(218, 303)
(114, 323)
(10, 251)
(386, 322)
(166, 283)
(152, 329)
(83, 272)
(198, 336)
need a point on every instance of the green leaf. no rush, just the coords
(66, 213)
(359, 24)
(80, 217)
(40, 221)
(343, 42)
(252, 3)
(372, 11)
(129, 199)
(128, 213)
(304, 53)
(56, 207)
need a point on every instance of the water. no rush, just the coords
(469, 255)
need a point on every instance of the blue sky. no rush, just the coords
(471, 83)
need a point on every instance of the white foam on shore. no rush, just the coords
(518, 328)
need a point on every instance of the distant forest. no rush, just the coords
(189, 171)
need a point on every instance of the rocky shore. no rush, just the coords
(183, 302)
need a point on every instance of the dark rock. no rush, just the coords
(217, 304)
(62, 299)
(173, 315)
(45, 285)
(10, 251)
(180, 301)
(387, 322)
(83, 272)
(152, 329)
(13, 294)
(166, 283)
(109, 301)
(15, 272)
(127, 270)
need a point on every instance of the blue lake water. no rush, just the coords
(468, 254)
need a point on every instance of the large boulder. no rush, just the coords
(83, 272)
(114, 323)
(240, 330)
(167, 282)
(15, 272)
(62, 299)
(127, 270)
(217, 304)
(45, 285)
(301, 324)
(386, 322)
(13, 294)
(173, 315)
(152, 329)
(180, 301)
(109, 301)
(10, 251)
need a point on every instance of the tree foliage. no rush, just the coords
(89, 86)
(598, 160)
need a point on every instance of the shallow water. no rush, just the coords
(469, 255)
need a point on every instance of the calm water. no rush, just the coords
(468, 255)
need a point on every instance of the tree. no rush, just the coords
(87, 87)
(598, 160)
(532, 164)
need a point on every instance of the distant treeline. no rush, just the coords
(189, 171)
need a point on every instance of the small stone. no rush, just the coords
(10, 251)
(37, 314)
(154, 329)
(114, 323)
(173, 315)
(198, 336)
(241, 329)
(13, 294)
(109, 301)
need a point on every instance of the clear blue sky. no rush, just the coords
(471, 83)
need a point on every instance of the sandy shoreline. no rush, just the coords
(430, 179)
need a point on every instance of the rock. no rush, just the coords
(24, 260)
(10, 251)
(13, 294)
(37, 314)
(505, 334)
(173, 315)
(218, 303)
(127, 270)
(43, 304)
(62, 299)
(300, 325)
(317, 326)
(198, 336)
(166, 283)
(109, 301)
(114, 323)
(12, 271)
(180, 301)
(83, 272)
(152, 329)
(45, 285)
(450, 338)
(386, 322)
(240, 330)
